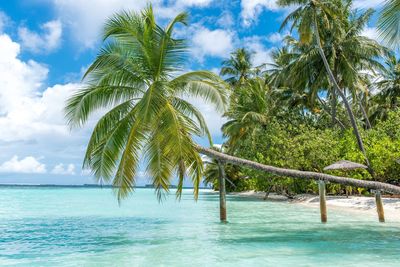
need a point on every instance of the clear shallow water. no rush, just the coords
(86, 227)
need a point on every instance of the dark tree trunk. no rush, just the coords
(365, 115)
(335, 119)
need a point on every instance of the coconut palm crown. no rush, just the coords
(135, 77)
(238, 67)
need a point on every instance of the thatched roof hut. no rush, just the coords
(345, 165)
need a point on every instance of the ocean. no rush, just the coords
(79, 226)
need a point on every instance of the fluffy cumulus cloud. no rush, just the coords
(251, 9)
(3, 21)
(188, 3)
(25, 165)
(261, 53)
(61, 169)
(215, 43)
(22, 104)
(32, 118)
(85, 19)
(20, 80)
(44, 42)
(277, 37)
(370, 32)
(226, 20)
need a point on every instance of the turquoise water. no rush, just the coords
(86, 227)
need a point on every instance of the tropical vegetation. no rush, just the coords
(330, 94)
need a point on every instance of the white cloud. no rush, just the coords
(363, 4)
(45, 42)
(226, 20)
(262, 54)
(3, 21)
(277, 37)
(61, 169)
(85, 19)
(188, 3)
(251, 9)
(25, 112)
(216, 43)
(19, 80)
(370, 32)
(212, 117)
(25, 165)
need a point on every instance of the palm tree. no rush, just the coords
(249, 109)
(135, 76)
(238, 67)
(388, 84)
(389, 24)
(309, 18)
(213, 171)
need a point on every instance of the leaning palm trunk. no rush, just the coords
(364, 112)
(298, 174)
(334, 105)
(343, 96)
(334, 118)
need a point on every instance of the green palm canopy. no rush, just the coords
(389, 24)
(137, 77)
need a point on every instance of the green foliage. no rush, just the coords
(296, 124)
(309, 148)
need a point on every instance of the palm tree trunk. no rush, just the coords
(281, 172)
(334, 105)
(222, 192)
(367, 122)
(343, 96)
(334, 118)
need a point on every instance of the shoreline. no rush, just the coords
(359, 204)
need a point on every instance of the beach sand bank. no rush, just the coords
(359, 204)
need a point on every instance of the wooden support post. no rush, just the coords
(379, 206)
(222, 192)
(322, 201)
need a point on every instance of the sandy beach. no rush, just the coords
(359, 204)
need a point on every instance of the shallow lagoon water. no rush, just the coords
(86, 227)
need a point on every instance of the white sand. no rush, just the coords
(365, 205)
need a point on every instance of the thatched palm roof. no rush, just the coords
(345, 165)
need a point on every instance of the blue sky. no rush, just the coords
(46, 45)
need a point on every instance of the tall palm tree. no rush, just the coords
(135, 76)
(238, 67)
(389, 24)
(311, 18)
(250, 109)
(388, 84)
